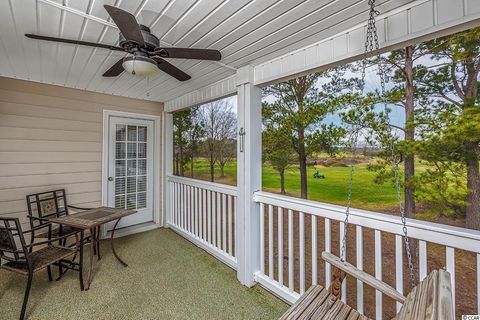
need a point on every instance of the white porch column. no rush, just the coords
(167, 166)
(249, 175)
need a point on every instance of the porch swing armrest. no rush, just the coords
(363, 276)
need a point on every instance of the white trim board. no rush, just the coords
(158, 220)
(221, 89)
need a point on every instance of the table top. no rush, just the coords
(92, 218)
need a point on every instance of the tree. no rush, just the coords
(182, 122)
(453, 86)
(278, 151)
(300, 106)
(220, 126)
(195, 134)
(403, 95)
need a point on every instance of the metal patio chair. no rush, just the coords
(17, 256)
(52, 204)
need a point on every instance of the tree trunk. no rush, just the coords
(302, 159)
(473, 184)
(222, 171)
(191, 167)
(282, 181)
(181, 160)
(212, 168)
(409, 134)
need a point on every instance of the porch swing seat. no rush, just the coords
(430, 300)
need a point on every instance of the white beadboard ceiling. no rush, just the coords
(245, 31)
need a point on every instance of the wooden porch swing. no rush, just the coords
(431, 299)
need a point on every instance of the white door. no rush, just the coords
(130, 168)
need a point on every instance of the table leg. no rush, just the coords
(93, 241)
(113, 245)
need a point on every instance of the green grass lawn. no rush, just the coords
(333, 189)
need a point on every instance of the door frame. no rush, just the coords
(157, 216)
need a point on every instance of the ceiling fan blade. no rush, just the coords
(115, 70)
(189, 53)
(171, 69)
(127, 24)
(83, 43)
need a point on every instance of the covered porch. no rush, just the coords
(250, 253)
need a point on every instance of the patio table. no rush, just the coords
(90, 220)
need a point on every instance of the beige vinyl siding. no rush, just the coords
(50, 138)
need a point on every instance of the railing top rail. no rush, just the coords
(217, 187)
(455, 237)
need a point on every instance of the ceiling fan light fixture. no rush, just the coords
(140, 66)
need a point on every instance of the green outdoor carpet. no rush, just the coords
(167, 278)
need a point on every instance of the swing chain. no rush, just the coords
(353, 144)
(398, 188)
(371, 43)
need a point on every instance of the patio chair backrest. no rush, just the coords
(46, 205)
(12, 241)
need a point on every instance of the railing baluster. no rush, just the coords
(177, 198)
(209, 217)
(291, 258)
(197, 213)
(478, 283)
(182, 208)
(262, 238)
(328, 248)
(224, 222)
(344, 283)
(230, 223)
(280, 245)
(270, 241)
(235, 206)
(214, 219)
(219, 222)
(189, 210)
(204, 214)
(173, 202)
(359, 249)
(422, 259)
(301, 222)
(314, 250)
(399, 266)
(378, 274)
(450, 259)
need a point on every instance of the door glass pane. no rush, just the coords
(132, 150)
(142, 134)
(132, 133)
(142, 150)
(141, 183)
(119, 186)
(142, 167)
(120, 150)
(130, 166)
(120, 202)
(141, 200)
(132, 201)
(120, 132)
(131, 184)
(120, 168)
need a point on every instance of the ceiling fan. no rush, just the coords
(145, 56)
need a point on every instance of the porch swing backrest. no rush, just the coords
(431, 299)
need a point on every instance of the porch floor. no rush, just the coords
(167, 278)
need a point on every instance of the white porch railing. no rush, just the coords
(204, 213)
(286, 275)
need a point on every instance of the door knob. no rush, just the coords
(110, 178)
